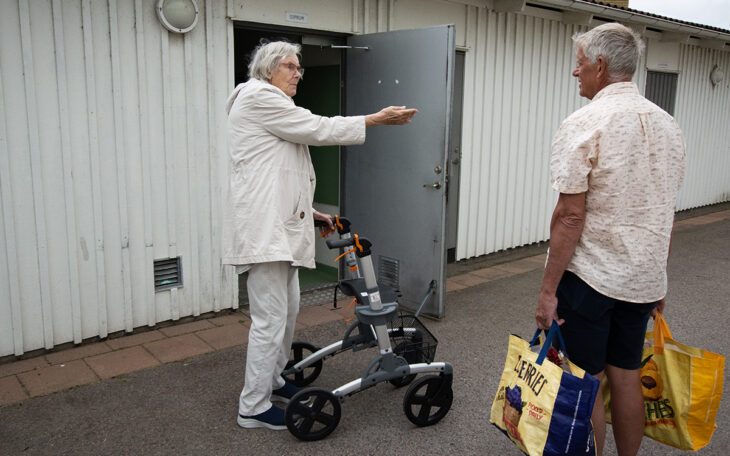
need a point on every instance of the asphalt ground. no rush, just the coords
(189, 408)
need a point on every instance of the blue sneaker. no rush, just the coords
(284, 393)
(273, 418)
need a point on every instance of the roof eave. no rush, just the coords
(636, 17)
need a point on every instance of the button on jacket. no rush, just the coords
(268, 211)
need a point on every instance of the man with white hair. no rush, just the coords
(618, 164)
(268, 227)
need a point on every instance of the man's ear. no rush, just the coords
(601, 68)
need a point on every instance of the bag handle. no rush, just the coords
(536, 338)
(661, 332)
(550, 335)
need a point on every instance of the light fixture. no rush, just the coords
(716, 75)
(179, 16)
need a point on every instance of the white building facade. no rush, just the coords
(113, 142)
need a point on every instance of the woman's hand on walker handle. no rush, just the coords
(328, 226)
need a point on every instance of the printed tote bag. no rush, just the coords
(544, 402)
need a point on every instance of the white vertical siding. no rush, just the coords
(113, 147)
(517, 91)
(703, 112)
(519, 88)
(69, 204)
(18, 213)
(38, 168)
(111, 133)
(10, 326)
(125, 313)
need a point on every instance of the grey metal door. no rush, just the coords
(393, 185)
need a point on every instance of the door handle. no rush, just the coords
(436, 185)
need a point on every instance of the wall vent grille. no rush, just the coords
(168, 273)
(389, 272)
(661, 89)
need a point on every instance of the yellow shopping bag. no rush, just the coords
(682, 388)
(543, 408)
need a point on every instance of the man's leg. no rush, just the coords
(598, 419)
(268, 294)
(623, 369)
(587, 316)
(627, 409)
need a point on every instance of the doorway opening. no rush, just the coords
(320, 92)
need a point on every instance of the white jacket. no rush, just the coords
(268, 215)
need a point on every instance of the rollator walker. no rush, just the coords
(406, 349)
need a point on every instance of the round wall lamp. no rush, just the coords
(179, 16)
(716, 75)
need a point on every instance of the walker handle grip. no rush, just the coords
(321, 223)
(342, 224)
(340, 243)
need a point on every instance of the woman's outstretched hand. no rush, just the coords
(392, 115)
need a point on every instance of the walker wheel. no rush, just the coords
(299, 351)
(428, 400)
(312, 414)
(402, 381)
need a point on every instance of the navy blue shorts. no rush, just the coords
(599, 330)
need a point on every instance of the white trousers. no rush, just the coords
(273, 298)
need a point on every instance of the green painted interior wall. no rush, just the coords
(319, 92)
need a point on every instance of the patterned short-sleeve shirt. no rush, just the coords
(628, 156)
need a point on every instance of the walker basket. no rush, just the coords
(411, 340)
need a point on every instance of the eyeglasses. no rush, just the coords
(292, 68)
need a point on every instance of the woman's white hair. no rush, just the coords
(267, 56)
(620, 46)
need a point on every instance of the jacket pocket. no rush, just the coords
(299, 230)
(300, 215)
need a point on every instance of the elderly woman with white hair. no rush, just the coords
(268, 226)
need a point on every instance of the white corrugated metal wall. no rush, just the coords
(113, 154)
(518, 89)
(110, 138)
(703, 112)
